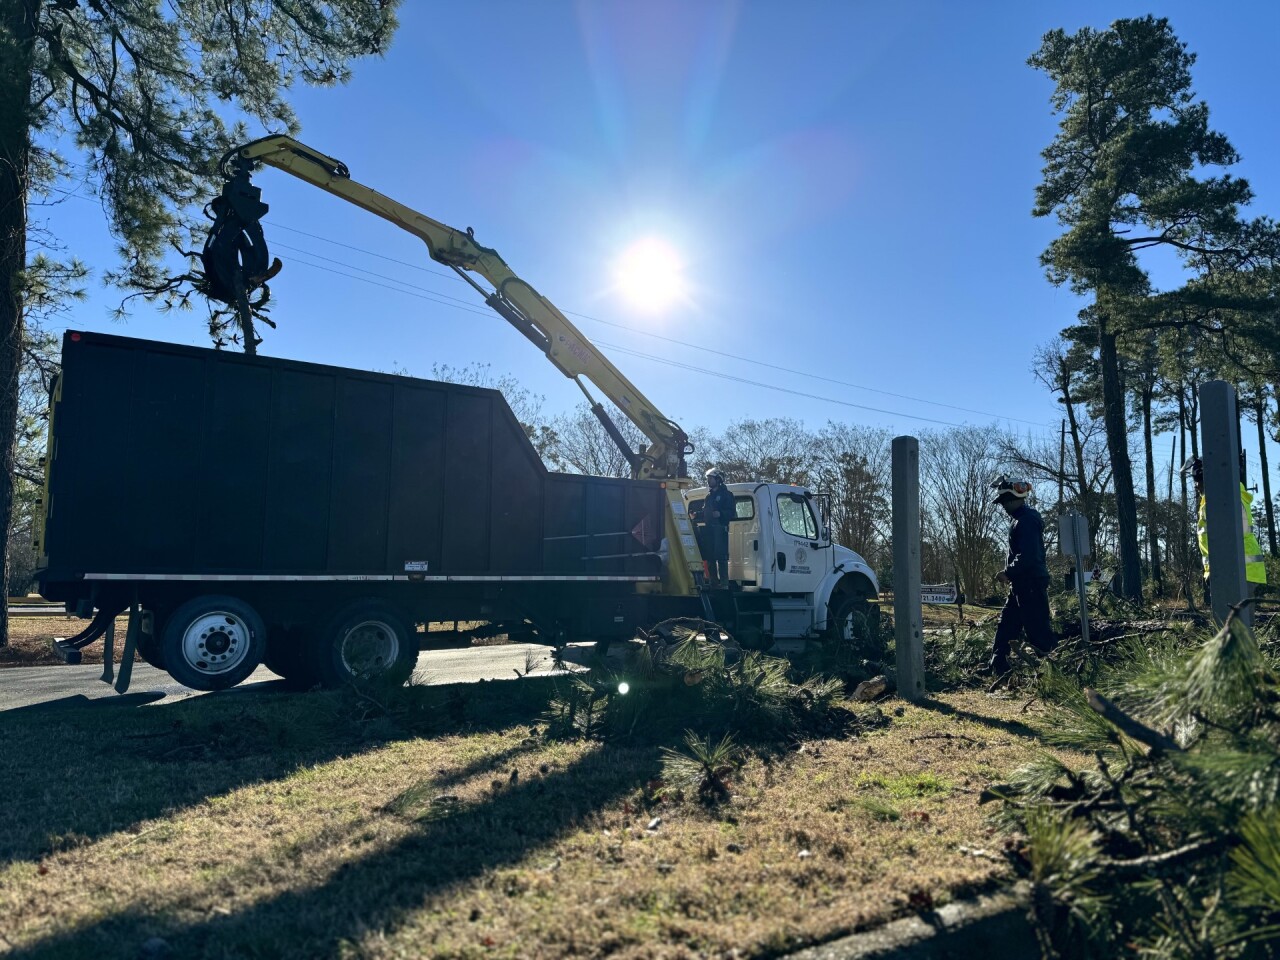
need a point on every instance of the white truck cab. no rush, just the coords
(780, 551)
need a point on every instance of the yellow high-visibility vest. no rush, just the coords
(1255, 571)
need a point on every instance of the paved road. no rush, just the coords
(37, 610)
(69, 685)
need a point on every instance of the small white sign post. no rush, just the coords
(939, 593)
(1073, 541)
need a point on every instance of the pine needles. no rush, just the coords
(1129, 854)
(704, 767)
(701, 685)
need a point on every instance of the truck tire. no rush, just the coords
(291, 654)
(853, 623)
(212, 642)
(366, 641)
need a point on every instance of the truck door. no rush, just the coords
(744, 542)
(798, 559)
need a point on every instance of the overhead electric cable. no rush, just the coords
(443, 299)
(656, 359)
(659, 336)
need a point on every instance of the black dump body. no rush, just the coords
(172, 460)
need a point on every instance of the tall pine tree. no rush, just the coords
(1121, 178)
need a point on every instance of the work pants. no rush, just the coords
(1026, 609)
(716, 552)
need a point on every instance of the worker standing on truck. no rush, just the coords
(718, 510)
(1255, 570)
(1027, 575)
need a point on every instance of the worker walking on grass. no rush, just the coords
(717, 511)
(1027, 607)
(1255, 570)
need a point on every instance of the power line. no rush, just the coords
(435, 297)
(647, 356)
(769, 386)
(657, 336)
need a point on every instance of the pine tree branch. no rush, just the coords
(1167, 861)
(1157, 741)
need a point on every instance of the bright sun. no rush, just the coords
(650, 275)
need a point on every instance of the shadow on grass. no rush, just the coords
(372, 896)
(86, 770)
(1015, 727)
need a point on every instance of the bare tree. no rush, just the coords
(778, 449)
(40, 364)
(581, 444)
(852, 464)
(957, 468)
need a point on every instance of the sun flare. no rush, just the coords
(650, 275)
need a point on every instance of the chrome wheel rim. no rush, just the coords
(216, 642)
(369, 648)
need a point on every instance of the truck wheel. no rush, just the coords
(366, 641)
(291, 654)
(853, 623)
(212, 642)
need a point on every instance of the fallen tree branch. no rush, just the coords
(1157, 741)
(1156, 863)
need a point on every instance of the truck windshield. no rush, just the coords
(796, 517)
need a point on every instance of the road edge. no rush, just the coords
(976, 926)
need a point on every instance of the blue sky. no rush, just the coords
(849, 186)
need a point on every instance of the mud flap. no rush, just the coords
(130, 645)
(109, 654)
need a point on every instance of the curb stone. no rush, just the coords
(979, 926)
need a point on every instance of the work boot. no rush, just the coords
(998, 665)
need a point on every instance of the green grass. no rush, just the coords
(256, 824)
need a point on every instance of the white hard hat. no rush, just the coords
(715, 472)
(1004, 487)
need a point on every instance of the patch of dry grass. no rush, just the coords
(252, 824)
(30, 639)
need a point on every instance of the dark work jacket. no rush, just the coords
(1026, 546)
(719, 499)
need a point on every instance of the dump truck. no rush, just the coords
(247, 509)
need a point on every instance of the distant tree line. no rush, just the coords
(963, 534)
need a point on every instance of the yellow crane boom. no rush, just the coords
(511, 297)
(235, 259)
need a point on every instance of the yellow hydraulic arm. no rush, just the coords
(511, 297)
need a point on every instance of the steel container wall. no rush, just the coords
(173, 459)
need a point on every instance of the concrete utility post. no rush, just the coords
(908, 621)
(1220, 446)
(1074, 542)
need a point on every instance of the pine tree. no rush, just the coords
(132, 96)
(1119, 176)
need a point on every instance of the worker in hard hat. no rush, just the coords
(718, 509)
(1255, 570)
(1026, 610)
